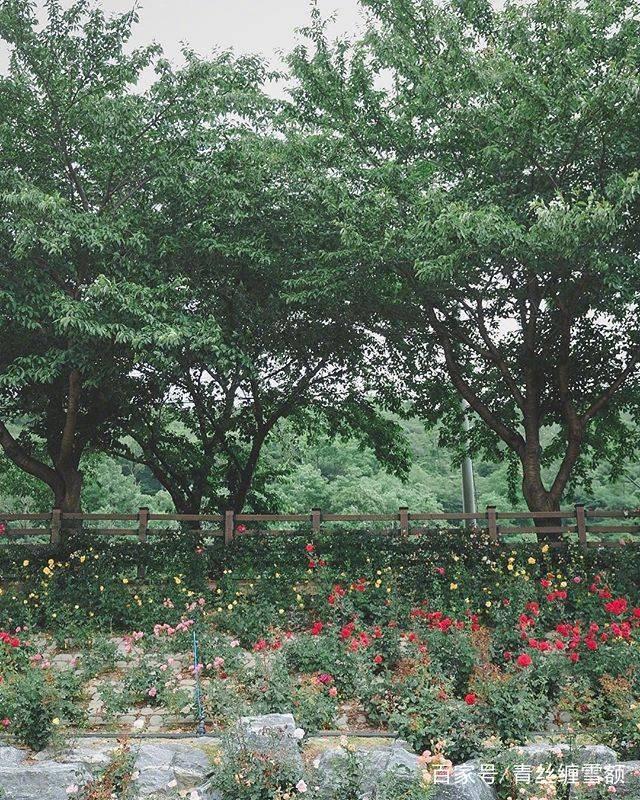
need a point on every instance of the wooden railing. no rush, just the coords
(588, 527)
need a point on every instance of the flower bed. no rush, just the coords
(469, 645)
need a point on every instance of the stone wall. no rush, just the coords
(167, 769)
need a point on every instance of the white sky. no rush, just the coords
(255, 26)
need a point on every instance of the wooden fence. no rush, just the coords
(588, 527)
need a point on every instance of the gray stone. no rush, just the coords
(10, 756)
(44, 780)
(163, 769)
(92, 754)
(594, 754)
(537, 754)
(391, 762)
(157, 782)
(268, 724)
(190, 759)
(207, 792)
(380, 762)
(154, 755)
(270, 733)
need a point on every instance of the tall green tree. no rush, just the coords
(242, 221)
(487, 176)
(83, 152)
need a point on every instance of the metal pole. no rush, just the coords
(200, 730)
(468, 484)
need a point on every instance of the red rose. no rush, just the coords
(616, 607)
(309, 548)
(377, 659)
(470, 699)
(523, 660)
(347, 630)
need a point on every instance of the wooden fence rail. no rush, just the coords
(588, 527)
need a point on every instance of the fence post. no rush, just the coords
(229, 525)
(404, 520)
(143, 523)
(492, 524)
(316, 519)
(56, 525)
(581, 524)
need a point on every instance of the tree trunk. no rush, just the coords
(67, 494)
(538, 499)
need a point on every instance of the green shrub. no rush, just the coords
(31, 703)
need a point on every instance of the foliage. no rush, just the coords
(148, 241)
(116, 780)
(433, 636)
(84, 148)
(485, 171)
(247, 773)
(29, 701)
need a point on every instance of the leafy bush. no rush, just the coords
(30, 701)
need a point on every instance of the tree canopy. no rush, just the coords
(241, 223)
(489, 177)
(445, 209)
(147, 240)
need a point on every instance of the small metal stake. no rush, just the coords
(200, 730)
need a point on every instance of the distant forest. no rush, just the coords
(341, 476)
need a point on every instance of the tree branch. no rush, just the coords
(26, 462)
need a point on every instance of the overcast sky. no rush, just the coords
(256, 26)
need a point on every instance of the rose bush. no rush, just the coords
(438, 637)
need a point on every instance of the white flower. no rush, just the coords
(301, 786)
(73, 789)
(139, 723)
(298, 733)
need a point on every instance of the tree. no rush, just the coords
(84, 150)
(243, 221)
(489, 193)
